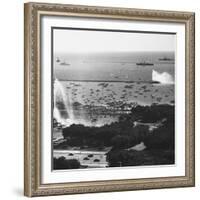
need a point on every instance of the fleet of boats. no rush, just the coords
(144, 63)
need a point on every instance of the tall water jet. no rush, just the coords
(62, 101)
(58, 117)
(163, 77)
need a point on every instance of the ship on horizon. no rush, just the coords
(166, 59)
(64, 63)
(144, 64)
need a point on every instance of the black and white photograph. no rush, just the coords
(109, 99)
(113, 101)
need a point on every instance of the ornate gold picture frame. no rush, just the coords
(34, 115)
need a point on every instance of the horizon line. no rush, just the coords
(104, 52)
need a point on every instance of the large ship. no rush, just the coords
(144, 64)
(166, 59)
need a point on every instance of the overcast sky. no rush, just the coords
(82, 41)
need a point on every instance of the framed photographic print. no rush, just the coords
(109, 99)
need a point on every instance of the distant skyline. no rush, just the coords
(84, 41)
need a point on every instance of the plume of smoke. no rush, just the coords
(163, 77)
